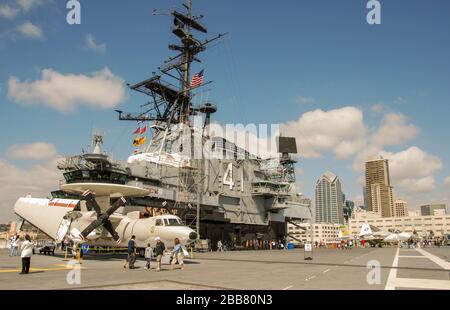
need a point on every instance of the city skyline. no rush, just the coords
(348, 91)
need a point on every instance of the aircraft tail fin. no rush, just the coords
(366, 230)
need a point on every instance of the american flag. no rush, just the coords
(197, 79)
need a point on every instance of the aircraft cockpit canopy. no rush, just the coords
(170, 221)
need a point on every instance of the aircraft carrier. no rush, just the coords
(223, 191)
(219, 189)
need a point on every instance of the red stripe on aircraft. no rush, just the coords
(62, 205)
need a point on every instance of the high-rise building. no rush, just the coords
(329, 204)
(400, 208)
(379, 192)
(433, 209)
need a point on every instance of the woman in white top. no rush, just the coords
(27, 251)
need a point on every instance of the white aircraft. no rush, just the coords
(95, 221)
(372, 234)
(376, 235)
(399, 236)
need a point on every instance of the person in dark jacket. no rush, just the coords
(159, 251)
(131, 258)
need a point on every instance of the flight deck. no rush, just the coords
(330, 269)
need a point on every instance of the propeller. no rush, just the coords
(102, 218)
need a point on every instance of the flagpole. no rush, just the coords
(189, 8)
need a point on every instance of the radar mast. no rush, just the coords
(170, 104)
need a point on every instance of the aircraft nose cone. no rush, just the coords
(193, 235)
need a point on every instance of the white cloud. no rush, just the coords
(341, 131)
(33, 151)
(8, 12)
(304, 100)
(421, 185)
(394, 130)
(92, 44)
(27, 5)
(20, 6)
(30, 31)
(38, 180)
(413, 169)
(447, 181)
(412, 162)
(100, 89)
(370, 151)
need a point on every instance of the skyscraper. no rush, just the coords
(329, 204)
(379, 194)
(400, 208)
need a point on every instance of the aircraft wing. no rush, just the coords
(392, 238)
(404, 236)
(45, 214)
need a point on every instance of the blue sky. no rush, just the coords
(280, 60)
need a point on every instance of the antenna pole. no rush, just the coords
(167, 98)
(187, 58)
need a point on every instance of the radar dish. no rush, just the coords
(105, 189)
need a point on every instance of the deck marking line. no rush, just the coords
(390, 283)
(435, 259)
(423, 283)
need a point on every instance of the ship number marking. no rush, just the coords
(228, 177)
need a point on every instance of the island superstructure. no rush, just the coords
(219, 189)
